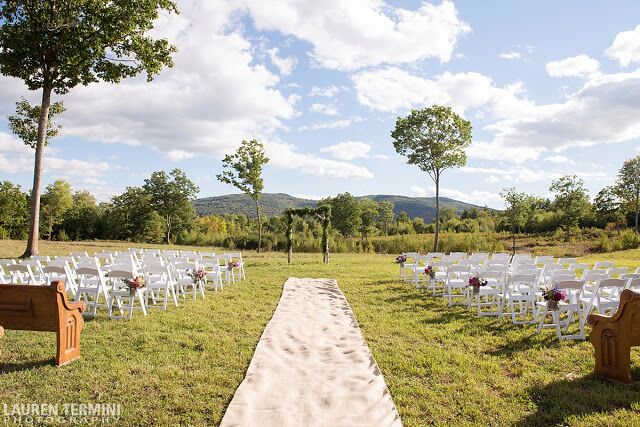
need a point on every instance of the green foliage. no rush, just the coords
(14, 211)
(434, 139)
(56, 201)
(80, 222)
(368, 217)
(25, 123)
(627, 188)
(61, 44)
(571, 201)
(385, 215)
(345, 214)
(171, 195)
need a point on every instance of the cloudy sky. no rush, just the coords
(550, 88)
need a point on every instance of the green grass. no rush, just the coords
(443, 364)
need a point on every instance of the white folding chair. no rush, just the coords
(519, 290)
(121, 295)
(570, 307)
(160, 285)
(455, 285)
(91, 285)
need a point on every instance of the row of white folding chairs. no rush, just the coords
(520, 295)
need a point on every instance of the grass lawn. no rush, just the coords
(443, 364)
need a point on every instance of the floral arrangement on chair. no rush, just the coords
(476, 282)
(553, 296)
(429, 271)
(234, 263)
(401, 259)
(197, 275)
(134, 284)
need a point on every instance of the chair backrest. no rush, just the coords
(566, 261)
(603, 265)
(573, 289)
(594, 275)
(633, 284)
(563, 278)
(458, 272)
(617, 271)
(630, 276)
(41, 258)
(578, 266)
(22, 273)
(612, 283)
(543, 260)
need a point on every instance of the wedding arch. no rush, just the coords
(323, 213)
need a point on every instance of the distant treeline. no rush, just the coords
(161, 211)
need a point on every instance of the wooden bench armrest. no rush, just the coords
(1, 331)
(69, 305)
(592, 319)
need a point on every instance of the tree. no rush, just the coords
(571, 201)
(607, 207)
(434, 139)
(627, 187)
(385, 215)
(243, 170)
(518, 207)
(56, 201)
(55, 45)
(345, 214)
(171, 196)
(14, 210)
(80, 221)
(25, 123)
(368, 216)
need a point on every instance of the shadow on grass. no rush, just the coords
(6, 368)
(559, 400)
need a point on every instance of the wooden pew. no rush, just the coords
(613, 336)
(44, 308)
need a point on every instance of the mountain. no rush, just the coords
(272, 204)
(275, 204)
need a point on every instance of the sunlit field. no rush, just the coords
(443, 365)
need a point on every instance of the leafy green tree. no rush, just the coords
(56, 45)
(25, 123)
(448, 213)
(385, 216)
(368, 217)
(434, 139)
(403, 217)
(128, 215)
(607, 207)
(571, 201)
(14, 210)
(518, 208)
(627, 188)
(56, 201)
(81, 220)
(243, 170)
(171, 196)
(345, 214)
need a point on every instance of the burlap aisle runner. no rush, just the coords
(312, 367)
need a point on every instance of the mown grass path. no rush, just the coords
(443, 365)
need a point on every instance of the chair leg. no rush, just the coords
(142, 304)
(542, 315)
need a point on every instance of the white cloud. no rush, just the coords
(329, 91)
(575, 66)
(326, 109)
(492, 179)
(477, 197)
(333, 124)
(177, 155)
(605, 110)
(285, 156)
(393, 89)
(309, 196)
(626, 47)
(510, 55)
(520, 174)
(348, 150)
(558, 159)
(285, 65)
(348, 35)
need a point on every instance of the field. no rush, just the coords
(443, 365)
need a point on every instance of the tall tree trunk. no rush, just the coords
(435, 243)
(637, 215)
(34, 224)
(259, 225)
(513, 237)
(168, 229)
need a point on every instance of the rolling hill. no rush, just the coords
(276, 203)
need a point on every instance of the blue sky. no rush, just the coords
(550, 88)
